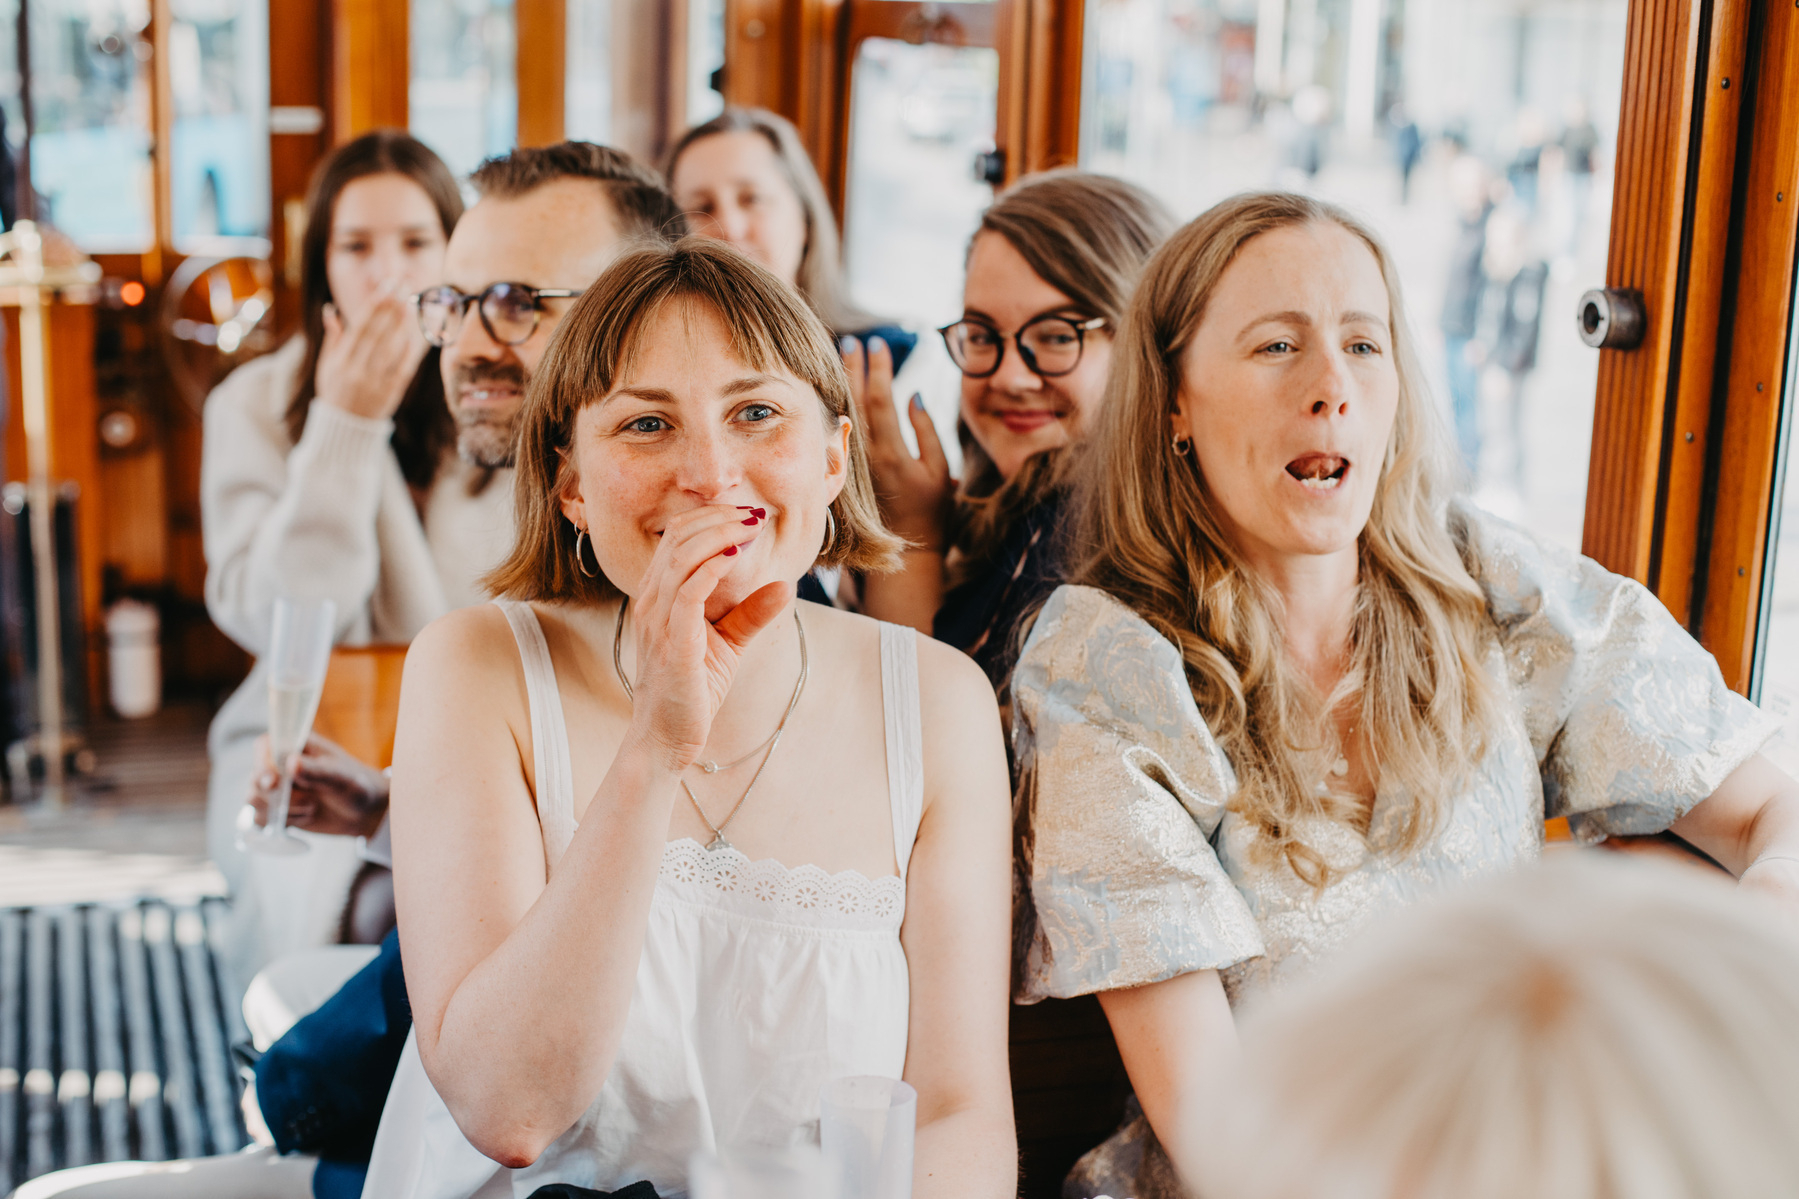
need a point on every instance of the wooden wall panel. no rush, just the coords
(1661, 61)
(542, 65)
(299, 84)
(371, 66)
(1038, 125)
(1759, 337)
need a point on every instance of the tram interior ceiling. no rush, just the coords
(1593, 205)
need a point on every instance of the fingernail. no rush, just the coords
(759, 513)
(748, 508)
(876, 343)
(848, 345)
(730, 551)
(753, 519)
(918, 401)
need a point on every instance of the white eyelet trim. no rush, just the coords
(768, 890)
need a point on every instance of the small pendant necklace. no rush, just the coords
(718, 841)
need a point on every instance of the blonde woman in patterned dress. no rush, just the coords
(1296, 683)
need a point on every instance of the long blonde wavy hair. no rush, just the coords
(1150, 533)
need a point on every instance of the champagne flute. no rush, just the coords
(299, 653)
(866, 1126)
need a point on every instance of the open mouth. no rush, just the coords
(1319, 472)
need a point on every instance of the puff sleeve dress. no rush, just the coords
(1613, 716)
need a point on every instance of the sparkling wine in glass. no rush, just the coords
(298, 656)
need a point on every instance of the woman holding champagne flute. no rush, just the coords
(674, 849)
(313, 461)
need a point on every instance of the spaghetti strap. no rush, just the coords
(549, 733)
(905, 737)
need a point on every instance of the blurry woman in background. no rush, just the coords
(1594, 1026)
(313, 460)
(1050, 271)
(1297, 685)
(745, 178)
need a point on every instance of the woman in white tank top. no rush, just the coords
(672, 848)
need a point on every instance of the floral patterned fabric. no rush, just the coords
(1614, 717)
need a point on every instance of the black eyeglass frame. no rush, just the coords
(1081, 328)
(537, 294)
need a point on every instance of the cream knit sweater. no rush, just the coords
(329, 517)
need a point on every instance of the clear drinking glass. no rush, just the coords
(796, 1173)
(298, 655)
(866, 1126)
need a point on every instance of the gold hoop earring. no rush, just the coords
(830, 532)
(580, 536)
(1182, 445)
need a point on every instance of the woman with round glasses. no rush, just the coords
(1049, 273)
(311, 460)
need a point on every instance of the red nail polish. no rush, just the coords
(747, 508)
(730, 551)
(759, 513)
(752, 520)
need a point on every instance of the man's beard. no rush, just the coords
(486, 438)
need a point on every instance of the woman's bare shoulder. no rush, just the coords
(473, 644)
(944, 672)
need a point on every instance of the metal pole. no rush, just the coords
(34, 372)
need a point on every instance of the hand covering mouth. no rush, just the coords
(1320, 472)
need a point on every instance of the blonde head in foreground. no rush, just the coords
(1590, 1028)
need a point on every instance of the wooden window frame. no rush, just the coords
(1687, 425)
(795, 57)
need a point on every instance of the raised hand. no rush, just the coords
(334, 792)
(915, 493)
(365, 367)
(688, 650)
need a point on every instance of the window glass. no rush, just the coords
(463, 93)
(1475, 138)
(587, 78)
(920, 115)
(218, 67)
(1776, 685)
(90, 92)
(10, 108)
(705, 56)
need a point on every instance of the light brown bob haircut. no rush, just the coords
(771, 328)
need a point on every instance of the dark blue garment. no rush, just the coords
(900, 343)
(981, 615)
(321, 1087)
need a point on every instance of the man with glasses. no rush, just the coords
(547, 221)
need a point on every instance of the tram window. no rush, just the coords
(1776, 685)
(705, 55)
(463, 94)
(587, 78)
(919, 115)
(90, 148)
(218, 71)
(1508, 110)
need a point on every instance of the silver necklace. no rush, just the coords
(718, 830)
